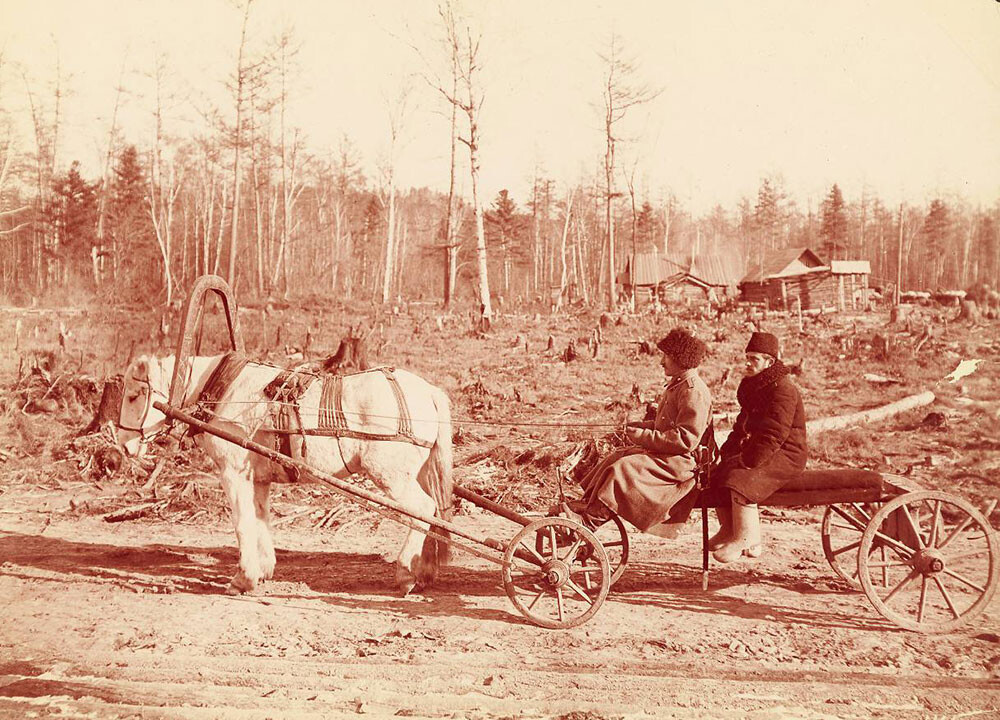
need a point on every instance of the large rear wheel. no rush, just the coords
(928, 561)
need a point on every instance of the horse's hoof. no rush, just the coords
(240, 584)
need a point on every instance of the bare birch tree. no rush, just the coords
(8, 150)
(104, 193)
(45, 122)
(452, 222)
(464, 46)
(164, 182)
(239, 86)
(398, 112)
(621, 91)
(291, 183)
(563, 265)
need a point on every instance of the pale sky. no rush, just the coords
(902, 96)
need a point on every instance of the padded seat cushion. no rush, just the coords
(818, 487)
(834, 480)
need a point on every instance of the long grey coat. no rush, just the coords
(642, 482)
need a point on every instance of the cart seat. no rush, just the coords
(827, 487)
(818, 487)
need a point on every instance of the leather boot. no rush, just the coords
(591, 515)
(746, 533)
(725, 515)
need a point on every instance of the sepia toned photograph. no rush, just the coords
(560, 360)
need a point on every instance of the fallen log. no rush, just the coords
(840, 422)
(135, 512)
(872, 415)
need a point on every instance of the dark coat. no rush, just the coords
(644, 481)
(767, 447)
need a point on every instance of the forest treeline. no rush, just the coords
(151, 228)
(247, 199)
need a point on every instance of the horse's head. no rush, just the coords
(146, 380)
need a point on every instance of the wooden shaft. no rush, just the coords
(493, 507)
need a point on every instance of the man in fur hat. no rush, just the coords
(644, 481)
(765, 450)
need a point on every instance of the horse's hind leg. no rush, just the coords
(240, 491)
(265, 544)
(414, 569)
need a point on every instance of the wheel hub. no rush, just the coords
(555, 572)
(928, 562)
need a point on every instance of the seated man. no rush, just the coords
(765, 450)
(643, 482)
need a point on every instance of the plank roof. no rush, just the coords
(850, 267)
(785, 262)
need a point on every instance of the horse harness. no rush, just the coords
(284, 393)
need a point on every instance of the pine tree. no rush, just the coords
(937, 233)
(371, 224)
(502, 220)
(72, 216)
(833, 228)
(988, 247)
(132, 246)
(129, 212)
(767, 218)
(646, 226)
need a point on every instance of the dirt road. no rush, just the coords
(129, 620)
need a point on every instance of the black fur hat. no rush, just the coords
(687, 350)
(764, 342)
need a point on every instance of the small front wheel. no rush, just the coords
(556, 573)
(614, 538)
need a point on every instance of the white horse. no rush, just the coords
(416, 470)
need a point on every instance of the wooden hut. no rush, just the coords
(789, 276)
(704, 277)
(708, 276)
(651, 271)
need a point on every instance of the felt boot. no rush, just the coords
(745, 539)
(725, 515)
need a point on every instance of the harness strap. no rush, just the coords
(405, 427)
(285, 391)
(332, 420)
(339, 418)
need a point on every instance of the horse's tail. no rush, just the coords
(436, 479)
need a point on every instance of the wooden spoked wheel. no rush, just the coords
(842, 528)
(928, 561)
(614, 538)
(561, 581)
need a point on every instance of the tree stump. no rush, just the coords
(968, 311)
(352, 354)
(109, 409)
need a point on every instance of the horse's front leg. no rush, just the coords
(240, 490)
(265, 543)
